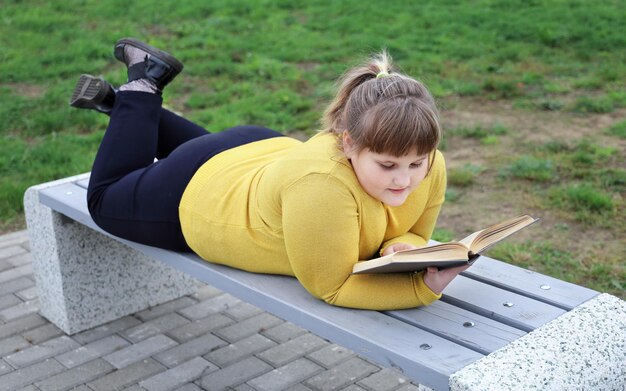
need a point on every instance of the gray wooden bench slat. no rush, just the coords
(381, 337)
(544, 288)
(84, 183)
(524, 313)
(464, 327)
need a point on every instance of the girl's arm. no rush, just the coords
(322, 230)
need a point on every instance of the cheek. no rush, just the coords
(420, 175)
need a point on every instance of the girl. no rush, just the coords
(370, 183)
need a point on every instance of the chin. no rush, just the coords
(393, 201)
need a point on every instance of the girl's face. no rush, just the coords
(387, 178)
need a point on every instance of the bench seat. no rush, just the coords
(486, 309)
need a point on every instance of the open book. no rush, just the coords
(444, 255)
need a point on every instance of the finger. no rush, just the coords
(432, 269)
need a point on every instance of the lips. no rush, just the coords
(397, 191)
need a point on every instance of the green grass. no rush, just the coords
(608, 276)
(274, 63)
(586, 201)
(479, 132)
(463, 176)
(618, 130)
(532, 168)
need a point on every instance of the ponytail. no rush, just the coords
(379, 64)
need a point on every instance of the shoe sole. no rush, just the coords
(89, 92)
(170, 60)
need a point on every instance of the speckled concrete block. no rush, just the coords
(584, 349)
(85, 278)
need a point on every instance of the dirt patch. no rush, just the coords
(491, 199)
(26, 90)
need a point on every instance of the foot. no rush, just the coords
(147, 62)
(93, 93)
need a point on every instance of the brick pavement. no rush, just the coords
(206, 341)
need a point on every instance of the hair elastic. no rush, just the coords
(382, 74)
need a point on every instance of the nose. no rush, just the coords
(402, 179)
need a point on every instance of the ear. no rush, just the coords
(347, 143)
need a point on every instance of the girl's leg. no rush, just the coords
(135, 198)
(175, 130)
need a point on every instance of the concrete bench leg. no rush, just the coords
(583, 349)
(85, 278)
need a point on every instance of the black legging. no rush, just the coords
(132, 196)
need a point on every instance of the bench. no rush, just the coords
(497, 326)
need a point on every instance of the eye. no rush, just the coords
(387, 166)
(417, 164)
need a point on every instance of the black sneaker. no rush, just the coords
(156, 65)
(93, 93)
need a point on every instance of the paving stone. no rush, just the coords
(354, 387)
(106, 329)
(92, 351)
(384, 380)
(206, 292)
(199, 327)
(30, 388)
(235, 374)
(245, 328)
(240, 349)
(341, 375)
(10, 251)
(285, 376)
(189, 387)
(76, 376)
(208, 307)
(165, 308)
(414, 387)
(81, 388)
(178, 376)
(28, 375)
(12, 345)
(331, 355)
(4, 265)
(42, 333)
(42, 351)
(19, 310)
(153, 327)
(20, 260)
(18, 237)
(16, 285)
(28, 293)
(284, 332)
(9, 300)
(4, 367)
(298, 387)
(139, 351)
(12, 274)
(126, 376)
(190, 349)
(243, 387)
(293, 349)
(243, 311)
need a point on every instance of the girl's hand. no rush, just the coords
(437, 279)
(398, 247)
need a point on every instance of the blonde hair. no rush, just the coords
(384, 110)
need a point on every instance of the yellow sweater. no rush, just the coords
(285, 207)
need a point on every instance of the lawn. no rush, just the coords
(531, 94)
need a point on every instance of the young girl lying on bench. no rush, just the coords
(370, 183)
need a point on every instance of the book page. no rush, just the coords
(424, 252)
(490, 236)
